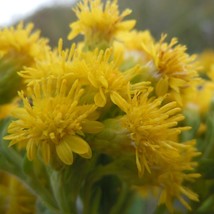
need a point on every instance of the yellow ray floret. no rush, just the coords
(98, 22)
(53, 122)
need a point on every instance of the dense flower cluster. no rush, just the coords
(113, 105)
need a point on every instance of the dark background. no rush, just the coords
(191, 21)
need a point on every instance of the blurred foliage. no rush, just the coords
(189, 20)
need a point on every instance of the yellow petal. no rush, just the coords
(75, 31)
(176, 83)
(162, 87)
(100, 99)
(92, 126)
(103, 81)
(87, 155)
(119, 101)
(64, 152)
(77, 145)
(93, 80)
(45, 149)
(127, 25)
(31, 150)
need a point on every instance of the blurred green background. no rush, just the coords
(191, 21)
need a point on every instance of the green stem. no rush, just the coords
(59, 190)
(43, 194)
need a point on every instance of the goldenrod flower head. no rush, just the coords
(98, 72)
(53, 122)
(20, 42)
(102, 75)
(130, 47)
(98, 22)
(55, 64)
(171, 67)
(14, 196)
(172, 180)
(168, 181)
(6, 109)
(206, 59)
(152, 127)
(133, 40)
(202, 88)
(19, 47)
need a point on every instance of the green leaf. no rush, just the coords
(207, 206)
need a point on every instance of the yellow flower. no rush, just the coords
(5, 110)
(102, 75)
(130, 49)
(99, 23)
(207, 61)
(20, 42)
(15, 197)
(172, 179)
(133, 40)
(202, 88)
(98, 72)
(161, 160)
(152, 127)
(19, 47)
(171, 68)
(53, 122)
(168, 183)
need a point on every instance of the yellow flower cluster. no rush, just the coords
(99, 23)
(51, 120)
(22, 43)
(19, 46)
(143, 84)
(170, 69)
(152, 127)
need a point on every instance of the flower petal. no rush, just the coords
(31, 149)
(64, 152)
(46, 153)
(92, 126)
(100, 99)
(78, 145)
